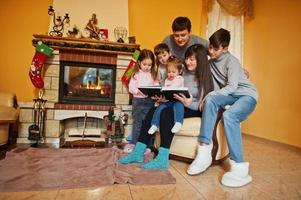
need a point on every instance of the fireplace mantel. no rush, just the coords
(86, 45)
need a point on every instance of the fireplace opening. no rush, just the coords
(87, 83)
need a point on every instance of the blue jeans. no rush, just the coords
(241, 108)
(140, 108)
(178, 110)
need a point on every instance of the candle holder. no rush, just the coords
(120, 34)
(58, 23)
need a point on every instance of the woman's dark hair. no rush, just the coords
(181, 24)
(202, 73)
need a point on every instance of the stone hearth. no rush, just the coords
(81, 51)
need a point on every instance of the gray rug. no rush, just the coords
(36, 169)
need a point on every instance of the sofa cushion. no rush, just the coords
(184, 146)
(191, 127)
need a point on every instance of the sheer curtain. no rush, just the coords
(218, 18)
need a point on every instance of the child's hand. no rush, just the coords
(159, 99)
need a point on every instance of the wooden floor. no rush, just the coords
(275, 168)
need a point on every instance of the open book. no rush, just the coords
(167, 92)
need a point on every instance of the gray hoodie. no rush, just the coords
(230, 76)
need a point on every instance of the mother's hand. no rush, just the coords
(181, 97)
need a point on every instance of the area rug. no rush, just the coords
(36, 169)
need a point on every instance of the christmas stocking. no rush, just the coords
(130, 69)
(35, 71)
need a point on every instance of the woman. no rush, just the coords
(198, 80)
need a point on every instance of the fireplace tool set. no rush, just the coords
(36, 131)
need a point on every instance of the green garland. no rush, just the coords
(85, 46)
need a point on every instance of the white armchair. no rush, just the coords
(185, 142)
(9, 114)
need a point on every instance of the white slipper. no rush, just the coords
(202, 161)
(238, 175)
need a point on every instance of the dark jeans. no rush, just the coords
(166, 124)
(141, 106)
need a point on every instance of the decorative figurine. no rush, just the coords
(92, 28)
(74, 32)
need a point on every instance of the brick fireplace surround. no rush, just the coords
(119, 54)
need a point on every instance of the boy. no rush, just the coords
(235, 90)
(162, 54)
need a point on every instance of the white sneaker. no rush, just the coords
(152, 129)
(176, 128)
(238, 175)
(202, 160)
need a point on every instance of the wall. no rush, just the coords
(18, 21)
(110, 14)
(272, 55)
(150, 21)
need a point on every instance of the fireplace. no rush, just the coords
(87, 83)
(78, 94)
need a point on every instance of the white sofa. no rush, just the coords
(185, 142)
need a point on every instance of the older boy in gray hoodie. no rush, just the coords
(235, 90)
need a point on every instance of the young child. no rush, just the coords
(174, 79)
(145, 75)
(235, 90)
(162, 54)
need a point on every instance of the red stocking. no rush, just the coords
(126, 77)
(35, 72)
(36, 67)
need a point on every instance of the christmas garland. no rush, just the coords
(85, 46)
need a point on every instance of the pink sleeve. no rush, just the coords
(133, 85)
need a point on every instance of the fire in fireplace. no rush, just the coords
(87, 83)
